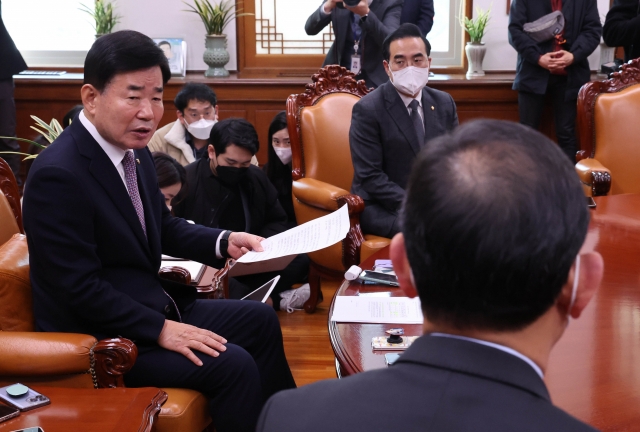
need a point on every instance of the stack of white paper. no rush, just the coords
(391, 310)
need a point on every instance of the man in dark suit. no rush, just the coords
(557, 67)
(420, 13)
(10, 64)
(492, 242)
(622, 27)
(390, 126)
(97, 223)
(224, 190)
(359, 31)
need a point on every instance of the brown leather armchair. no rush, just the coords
(607, 161)
(66, 359)
(318, 121)
(10, 211)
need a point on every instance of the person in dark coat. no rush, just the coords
(498, 282)
(225, 191)
(418, 12)
(97, 226)
(622, 27)
(11, 63)
(555, 68)
(278, 167)
(364, 26)
(389, 127)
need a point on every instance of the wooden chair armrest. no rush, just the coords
(220, 282)
(111, 359)
(50, 354)
(595, 177)
(325, 196)
(175, 274)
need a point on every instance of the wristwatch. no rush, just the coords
(224, 243)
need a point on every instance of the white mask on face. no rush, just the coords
(284, 154)
(201, 128)
(411, 79)
(574, 290)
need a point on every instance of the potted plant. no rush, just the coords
(216, 19)
(49, 131)
(475, 48)
(102, 13)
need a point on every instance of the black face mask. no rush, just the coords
(231, 175)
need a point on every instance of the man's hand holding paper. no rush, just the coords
(309, 237)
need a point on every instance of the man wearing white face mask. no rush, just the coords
(390, 125)
(494, 229)
(187, 138)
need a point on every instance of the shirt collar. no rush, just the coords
(498, 347)
(115, 154)
(407, 99)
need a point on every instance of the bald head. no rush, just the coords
(493, 219)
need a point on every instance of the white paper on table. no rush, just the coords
(391, 310)
(309, 237)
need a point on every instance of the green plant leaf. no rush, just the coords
(24, 140)
(17, 153)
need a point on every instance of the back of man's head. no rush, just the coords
(237, 131)
(194, 91)
(493, 219)
(119, 52)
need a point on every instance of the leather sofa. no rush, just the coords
(318, 121)
(608, 129)
(65, 359)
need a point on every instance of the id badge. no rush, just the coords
(355, 64)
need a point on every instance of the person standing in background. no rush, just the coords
(622, 27)
(420, 13)
(11, 63)
(557, 67)
(359, 33)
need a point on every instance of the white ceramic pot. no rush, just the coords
(216, 56)
(475, 56)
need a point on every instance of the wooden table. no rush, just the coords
(116, 410)
(594, 370)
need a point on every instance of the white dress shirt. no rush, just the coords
(503, 348)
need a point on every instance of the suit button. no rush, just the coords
(167, 309)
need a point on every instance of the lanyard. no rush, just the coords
(357, 31)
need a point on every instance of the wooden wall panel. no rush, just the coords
(258, 100)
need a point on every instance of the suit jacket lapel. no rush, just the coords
(107, 175)
(475, 359)
(398, 112)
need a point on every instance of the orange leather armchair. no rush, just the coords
(66, 359)
(318, 121)
(10, 211)
(608, 127)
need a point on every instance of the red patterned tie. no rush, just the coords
(131, 179)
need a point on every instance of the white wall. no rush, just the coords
(500, 55)
(166, 18)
